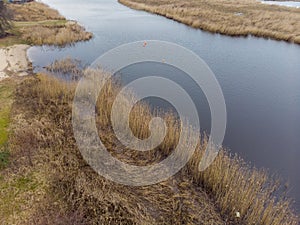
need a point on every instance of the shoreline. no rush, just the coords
(35, 24)
(247, 17)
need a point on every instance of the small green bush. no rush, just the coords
(4, 159)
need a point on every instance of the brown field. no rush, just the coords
(35, 23)
(229, 17)
(48, 182)
(33, 11)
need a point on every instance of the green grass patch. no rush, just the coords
(4, 159)
(4, 123)
(6, 98)
(13, 38)
(25, 184)
(13, 194)
(48, 23)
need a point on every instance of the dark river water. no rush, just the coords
(260, 78)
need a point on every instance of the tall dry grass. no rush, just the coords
(234, 18)
(216, 196)
(61, 35)
(67, 66)
(74, 188)
(234, 185)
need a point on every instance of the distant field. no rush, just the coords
(230, 17)
(35, 23)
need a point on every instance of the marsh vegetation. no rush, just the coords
(62, 187)
(234, 18)
(45, 180)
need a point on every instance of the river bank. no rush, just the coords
(48, 167)
(49, 182)
(32, 23)
(233, 18)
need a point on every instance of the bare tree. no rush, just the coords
(4, 19)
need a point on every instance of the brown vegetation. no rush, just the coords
(44, 149)
(68, 67)
(36, 23)
(4, 19)
(235, 18)
(67, 33)
(43, 145)
(33, 11)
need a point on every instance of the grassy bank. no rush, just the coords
(64, 188)
(37, 24)
(234, 18)
(6, 98)
(6, 95)
(22, 186)
(43, 145)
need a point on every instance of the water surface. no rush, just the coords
(284, 3)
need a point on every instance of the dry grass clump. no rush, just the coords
(214, 196)
(68, 67)
(61, 35)
(235, 18)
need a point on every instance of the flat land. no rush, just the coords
(229, 17)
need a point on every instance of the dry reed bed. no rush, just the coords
(68, 33)
(234, 18)
(45, 141)
(232, 186)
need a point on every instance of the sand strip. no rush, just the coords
(14, 61)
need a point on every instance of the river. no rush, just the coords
(260, 78)
(284, 3)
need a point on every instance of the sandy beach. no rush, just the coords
(14, 61)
